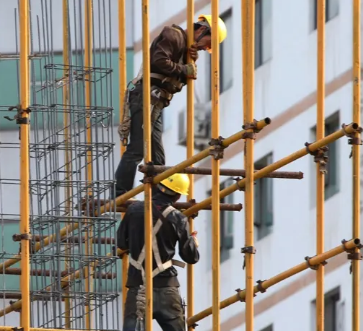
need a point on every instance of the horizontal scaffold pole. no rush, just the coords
(194, 159)
(223, 172)
(71, 240)
(123, 198)
(239, 185)
(53, 273)
(264, 285)
(186, 205)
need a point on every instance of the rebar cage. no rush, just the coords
(73, 277)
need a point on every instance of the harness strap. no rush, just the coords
(160, 266)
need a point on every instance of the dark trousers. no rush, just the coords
(134, 153)
(168, 309)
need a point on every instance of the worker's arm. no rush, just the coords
(188, 249)
(168, 47)
(123, 233)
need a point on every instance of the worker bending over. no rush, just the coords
(169, 73)
(170, 227)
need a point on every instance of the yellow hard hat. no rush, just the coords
(222, 29)
(178, 183)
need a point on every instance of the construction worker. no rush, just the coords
(169, 73)
(170, 227)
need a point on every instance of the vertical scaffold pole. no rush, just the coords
(190, 152)
(122, 90)
(67, 156)
(88, 4)
(215, 169)
(147, 158)
(248, 44)
(320, 176)
(356, 160)
(24, 164)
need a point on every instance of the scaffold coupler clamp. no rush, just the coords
(314, 266)
(260, 286)
(26, 236)
(193, 202)
(247, 250)
(238, 290)
(239, 188)
(19, 115)
(319, 157)
(217, 150)
(149, 173)
(250, 126)
(354, 138)
(352, 254)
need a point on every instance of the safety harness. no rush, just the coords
(160, 266)
(157, 96)
(138, 264)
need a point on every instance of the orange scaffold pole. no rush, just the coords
(147, 157)
(88, 4)
(24, 163)
(319, 159)
(356, 161)
(190, 152)
(346, 130)
(122, 90)
(248, 44)
(263, 286)
(215, 169)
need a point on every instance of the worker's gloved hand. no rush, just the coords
(194, 236)
(190, 70)
(193, 52)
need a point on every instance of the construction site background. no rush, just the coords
(285, 211)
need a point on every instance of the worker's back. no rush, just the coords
(131, 236)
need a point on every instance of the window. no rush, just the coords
(225, 58)
(331, 11)
(269, 328)
(333, 310)
(263, 204)
(226, 219)
(331, 177)
(263, 31)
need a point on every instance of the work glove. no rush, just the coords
(193, 52)
(194, 236)
(190, 70)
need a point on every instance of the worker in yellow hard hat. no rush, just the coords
(170, 229)
(203, 32)
(169, 73)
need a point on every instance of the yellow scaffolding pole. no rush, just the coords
(190, 152)
(320, 177)
(263, 286)
(346, 130)
(88, 26)
(122, 199)
(122, 89)
(24, 163)
(356, 161)
(68, 158)
(147, 158)
(215, 168)
(248, 42)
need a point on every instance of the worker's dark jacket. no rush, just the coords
(168, 56)
(130, 235)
